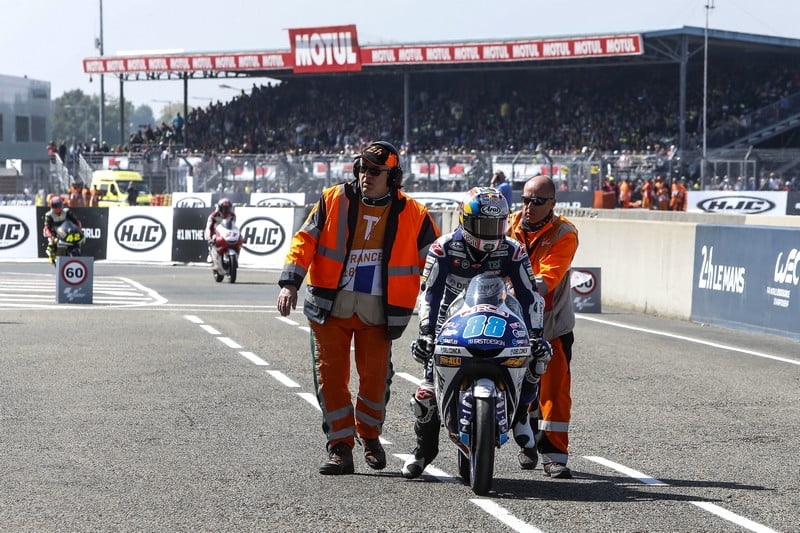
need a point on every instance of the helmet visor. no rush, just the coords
(486, 228)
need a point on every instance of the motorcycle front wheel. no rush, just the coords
(233, 266)
(482, 446)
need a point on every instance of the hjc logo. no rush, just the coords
(140, 233)
(276, 202)
(190, 202)
(13, 232)
(736, 204)
(262, 236)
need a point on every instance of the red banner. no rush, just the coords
(328, 49)
(617, 45)
(335, 48)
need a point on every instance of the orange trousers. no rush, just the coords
(555, 403)
(330, 348)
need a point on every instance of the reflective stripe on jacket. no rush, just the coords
(320, 249)
(551, 250)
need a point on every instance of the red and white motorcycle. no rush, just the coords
(227, 243)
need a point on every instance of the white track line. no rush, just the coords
(691, 339)
(490, 507)
(254, 358)
(504, 516)
(287, 321)
(310, 398)
(230, 343)
(283, 378)
(630, 472)
(733, 517)
(409, 377)
(193, 318)
(710, 507)
(209, 329)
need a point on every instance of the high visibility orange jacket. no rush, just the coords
(551, 250)
(321, 247)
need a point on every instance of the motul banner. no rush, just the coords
(328, 49)
(618, 45)
(335, 48)
(189, 63)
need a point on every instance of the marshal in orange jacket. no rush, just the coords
(321, 247)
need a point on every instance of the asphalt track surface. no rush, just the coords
(174, 403)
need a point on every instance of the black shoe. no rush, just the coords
(374, 455)
(415, 464)
(528, 458)
(557, 470)
(340, 461)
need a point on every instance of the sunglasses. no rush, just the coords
(372, 171)
(535, 200)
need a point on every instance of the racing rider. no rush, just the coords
(52, 220)
(223, 211)
(478, 245)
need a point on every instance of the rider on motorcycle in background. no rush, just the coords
(478, 245)
(224, 210)
(52, 220)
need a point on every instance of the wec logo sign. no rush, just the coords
(333, 48)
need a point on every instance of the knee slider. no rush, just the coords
(423, 404)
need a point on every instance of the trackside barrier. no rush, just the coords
(651, 261)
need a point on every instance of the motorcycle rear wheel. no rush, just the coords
(482, 446)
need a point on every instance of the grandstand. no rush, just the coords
(581, 108)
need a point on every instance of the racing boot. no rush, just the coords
(427, 448)
(426, 427)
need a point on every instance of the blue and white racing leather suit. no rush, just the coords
(449, 267)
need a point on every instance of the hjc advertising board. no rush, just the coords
(18, 232)
(748, 277)
(140, 234)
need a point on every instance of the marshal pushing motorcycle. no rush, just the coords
(478, 246)
(63, 231)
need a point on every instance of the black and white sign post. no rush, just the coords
(74, 280)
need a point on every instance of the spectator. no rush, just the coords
(499, 182)
(133, 193)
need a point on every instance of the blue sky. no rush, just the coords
(48, 39)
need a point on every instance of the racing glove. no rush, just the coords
(422, 348)
(541, 351)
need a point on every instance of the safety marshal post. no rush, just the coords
(74, 280)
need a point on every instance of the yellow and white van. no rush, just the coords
(113, 185)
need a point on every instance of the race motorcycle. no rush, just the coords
(69, 238)
(227, 242)
(481, 356)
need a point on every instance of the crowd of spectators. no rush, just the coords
(564, 110)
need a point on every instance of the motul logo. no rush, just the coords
(747, 205)
(13, 232)
(325, 49)
(140, 233)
